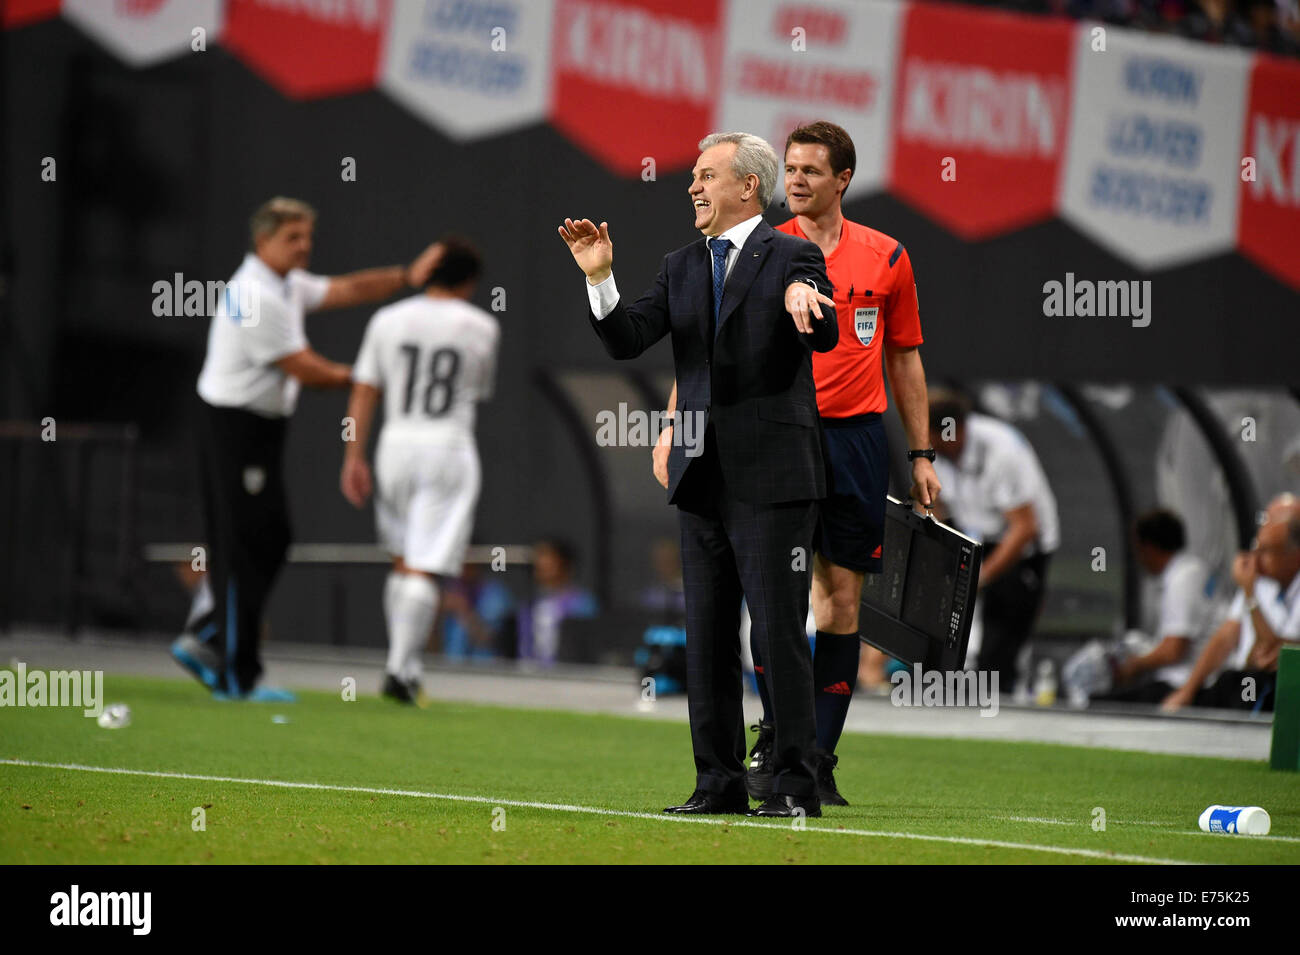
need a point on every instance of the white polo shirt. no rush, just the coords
(260, 321)
(1280, 608)
(1183, 610)
(998, 472)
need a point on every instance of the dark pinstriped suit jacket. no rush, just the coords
(755, 385)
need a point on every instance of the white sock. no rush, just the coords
(415, 604)
(201, 604)
(392, 583)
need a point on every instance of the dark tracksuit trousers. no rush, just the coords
(247, 518)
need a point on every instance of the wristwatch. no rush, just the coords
(927, 453)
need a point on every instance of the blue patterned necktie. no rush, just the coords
(719, 249)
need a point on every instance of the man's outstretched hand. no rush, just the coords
(591, 247)
(801, 302)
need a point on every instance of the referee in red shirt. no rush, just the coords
(875, 296)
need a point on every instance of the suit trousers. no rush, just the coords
(761, 552)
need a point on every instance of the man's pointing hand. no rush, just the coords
(801, 302)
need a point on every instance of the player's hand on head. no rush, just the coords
(801, 301)
(355, 482)
(418, 272)
(590, 244)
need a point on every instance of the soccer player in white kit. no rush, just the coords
(433, 358)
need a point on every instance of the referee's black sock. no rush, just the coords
(835, 674)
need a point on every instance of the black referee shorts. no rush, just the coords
(851, 527)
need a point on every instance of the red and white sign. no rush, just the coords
(791, 62)
(473, 68)
(309, 48)
(1269, 230)
(637, 81)
(144, 32)
(980, 116)
(19, 13)
(1155, 146)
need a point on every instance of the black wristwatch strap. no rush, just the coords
(927, 453)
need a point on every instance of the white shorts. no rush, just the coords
(425, 495)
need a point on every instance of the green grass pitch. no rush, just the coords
(500, 760)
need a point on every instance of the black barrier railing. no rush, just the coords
(53, 478)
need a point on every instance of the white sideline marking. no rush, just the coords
(1048, 822)
(597, 811)
(1080, 822)
(1140, 822)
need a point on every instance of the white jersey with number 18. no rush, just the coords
(434, 359)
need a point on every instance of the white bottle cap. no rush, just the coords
(1254, 821)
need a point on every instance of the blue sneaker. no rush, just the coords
(199, 658)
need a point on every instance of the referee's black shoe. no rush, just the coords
(395, 689)
(826, 788)
(758, 777)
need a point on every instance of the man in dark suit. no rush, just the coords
(745, 307)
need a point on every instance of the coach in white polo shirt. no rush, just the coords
(257, 358)
(995, 491)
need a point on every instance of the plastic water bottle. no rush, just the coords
(115, 716)
(1236, 820)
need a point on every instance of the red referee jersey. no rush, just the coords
(875, 299)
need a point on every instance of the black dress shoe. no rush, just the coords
(787, 807)
(703, 803)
